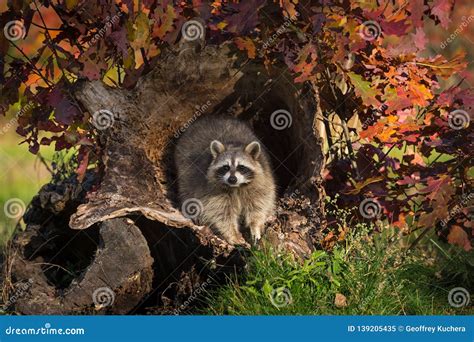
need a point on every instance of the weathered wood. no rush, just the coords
(118, 277)
(138, 180)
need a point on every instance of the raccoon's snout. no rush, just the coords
(232, 180)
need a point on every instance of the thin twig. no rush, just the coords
(46, 28)
(32, 65)
(50, 41)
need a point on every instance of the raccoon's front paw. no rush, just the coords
(238, 241)
(256, 229)
(256, 236)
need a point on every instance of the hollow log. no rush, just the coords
(132, 236)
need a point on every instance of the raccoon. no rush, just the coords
(222, 166)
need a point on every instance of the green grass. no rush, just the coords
(370, 270)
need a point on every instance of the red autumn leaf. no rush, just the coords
(64, 110)
(245, 16)
(397, 28)
(416, 8)
(83, 158)
(306, 63)
(420, 38)
(442, 10)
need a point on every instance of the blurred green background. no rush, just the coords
(21, 174)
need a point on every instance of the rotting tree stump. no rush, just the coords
(122, 230)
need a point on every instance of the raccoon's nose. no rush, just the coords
(232, 179)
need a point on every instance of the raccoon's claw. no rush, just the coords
(244, 244)
(254, 241)
(256, 236)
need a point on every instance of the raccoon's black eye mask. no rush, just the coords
(222, 170)
(244, 170)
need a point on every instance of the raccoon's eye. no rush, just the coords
(243, 169)
(225, 168)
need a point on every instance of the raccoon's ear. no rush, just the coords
(216, 148)
(253, 149)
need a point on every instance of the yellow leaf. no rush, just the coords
(141, 32)
(443, 67)
(70, 4)
(364, 89)
(360, 185)
(221, 25)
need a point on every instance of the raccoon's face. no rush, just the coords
(234, 166)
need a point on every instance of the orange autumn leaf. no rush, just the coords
(387, 135)
(165, 22)
(247, 44)
(445, 68)
(289, 8)
(306, 63)
(457, 236)
(371, 131)
(419, 93)
(340, 301)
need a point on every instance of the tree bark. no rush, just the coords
(149, 254)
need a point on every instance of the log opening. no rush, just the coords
(272, 106)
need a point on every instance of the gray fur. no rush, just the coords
(202, 151)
